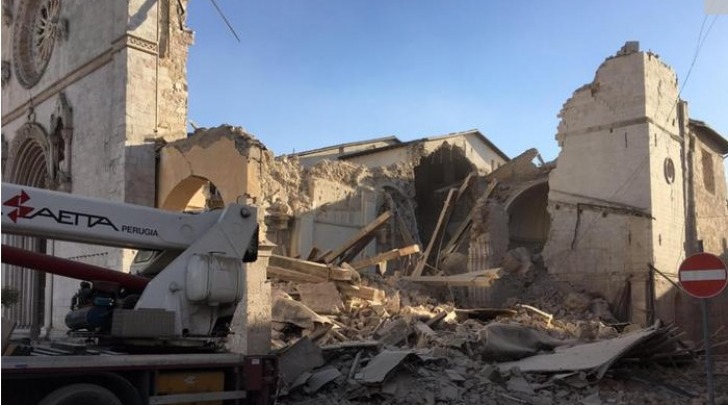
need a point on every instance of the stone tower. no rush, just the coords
(88, 87)
(627, 195)
(618, 135)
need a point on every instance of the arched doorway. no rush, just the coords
(528, 217)
(27, 165)
(194, 194)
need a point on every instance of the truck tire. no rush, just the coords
(81, 394)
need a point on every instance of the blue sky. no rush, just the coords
(312, 73)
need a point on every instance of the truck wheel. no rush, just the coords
(81, 394)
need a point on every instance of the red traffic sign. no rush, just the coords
(703, 275)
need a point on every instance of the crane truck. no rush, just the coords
(151, 337)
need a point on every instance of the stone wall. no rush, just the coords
(105, 63)
(613, 214)
(627, 181)
(711, 204)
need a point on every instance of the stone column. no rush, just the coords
(251, 322)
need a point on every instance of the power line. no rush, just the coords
(214, 3)
(698, 47)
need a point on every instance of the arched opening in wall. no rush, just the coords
(528, 217)
(28, 165)
(435, 174)
(193, 194)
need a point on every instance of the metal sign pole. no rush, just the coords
(708, 353)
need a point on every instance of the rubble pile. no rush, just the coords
(286, 181)
(399, 326)
(407, 346)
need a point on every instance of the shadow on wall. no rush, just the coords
(436, 173)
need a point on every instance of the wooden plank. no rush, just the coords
(356, 249)
(437, 318)
(321, 271)
(386, 256)
(291, 275)
(467, 182)
(461, 184)
(404, 231)
(482, 278)
(363, 233)
(447, 208)
(455, 240)
(320, 258)
(315, 252)
(360, 291)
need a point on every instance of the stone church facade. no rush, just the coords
(88, 89)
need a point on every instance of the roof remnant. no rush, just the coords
(713, 135)
(475, 132)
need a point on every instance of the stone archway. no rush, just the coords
(194, 194)
(27, 159)
(529, 220)
(27, 165)
(225, 156)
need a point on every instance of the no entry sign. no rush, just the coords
(703, 275)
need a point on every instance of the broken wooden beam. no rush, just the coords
(404, 231)
(456, 238)
(386, 256)
(319, 270)
(447, 208)
(467, 182)
(356, 249)
(360, 291)
(280, 273)
(362, 234)
(315, 252)
(483, 278)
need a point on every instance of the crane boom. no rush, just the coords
(200, 282)
(51, 214)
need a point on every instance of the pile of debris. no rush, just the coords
(345, 335)
(375, 351)
(391, 327)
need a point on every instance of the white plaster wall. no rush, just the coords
(475, 150)
(339, 212)
(483, 157)
(310, 159)
(384, 158)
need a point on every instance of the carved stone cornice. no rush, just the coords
(135, 42)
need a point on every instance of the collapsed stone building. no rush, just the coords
(637, 187)
(101, 111)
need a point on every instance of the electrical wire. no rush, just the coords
(214, 3)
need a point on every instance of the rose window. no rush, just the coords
(36, 31)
